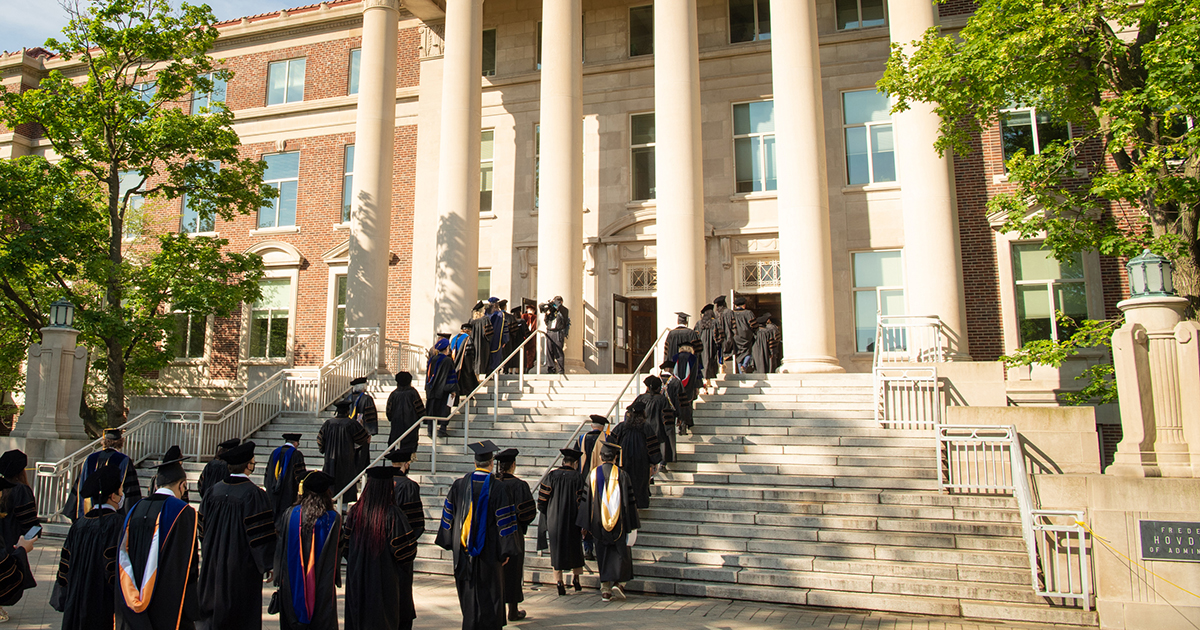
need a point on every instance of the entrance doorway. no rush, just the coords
(763, 303)
(634, 321)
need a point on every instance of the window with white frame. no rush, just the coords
(355, 62)
(754, 146)
(852, 14)
(1026, 129)
(202, 100)
(485, 285)
(757, 275)
(145, 91)
(347, 183)
(641, 150)
(131, 180)
(489, 52)
(269, 319)
(339, 314)
(641, 278)
(283, 174)
(487, 151)
(870, 150)
(1044, 287)
(878, 290)
(190, 332)
(641, 31)
(285, 81)
(749, 20)
(193, 220)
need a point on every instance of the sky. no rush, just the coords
(28, 23)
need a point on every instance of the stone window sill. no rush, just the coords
(644, 203)
(204, 234)
(341, 227)
(261, 361)
(867, 188)
(487, 216)
(754, 196)
(189, 363)
(287, 229)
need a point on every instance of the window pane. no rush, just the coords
(743, 158)
(199, 326)
(276, 293)
(489, 52)
(1033, 313)
(764, 19)
(643, 173)
(1032, 262)
(1049, 130)
(865, 106)
(847, 14)
(865, 318)
(266, 214)
(878, 269)
(181, 331)
(741, 119)
(741, 21)
(279, 327)
(641, 31)
(883, 153)
(485, 284)
(762, 117)
(276, 82)
(339, 331)
(487, 141)
(856, 156)
(287, 203)
(872, 13)
(892, 302)
(1016, 133)
(485, 188)
(769, 150)
(259, 328)
(348, 183)
(219, 90)
(642, 128)
(355, 60)
(295, 89)
(282, 166)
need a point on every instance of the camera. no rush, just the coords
(548, 307)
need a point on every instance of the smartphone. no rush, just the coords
(33, 532)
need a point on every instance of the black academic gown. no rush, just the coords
(725, 330)
(639, 451)
(364, 411)
(678, 337)
(558, 501)
(514, 571)
(285, 469)
(404, 409)
(763, 351)
(661, 416)
(237, 534)
(743, 334)
(87, 571)
(479, 578)
(294, 548)
(379, 576)
(345, 444)
(710, 350)
(480, 347)
(587, 444)
(440, 382)
(215, 471)
(175, 600)
(612, 550)
(408, 498)
(680, 401)
(75, 509)
(19, 510)
(500, 337)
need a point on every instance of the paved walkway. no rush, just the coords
(437, 609)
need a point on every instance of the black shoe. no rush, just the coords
(577, 585)
(442, 433)
(562, 589)
(516, 615)
(589, 556)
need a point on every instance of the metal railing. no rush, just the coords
(904, 371)
(988, 460)
(402, 356)
(909, 339)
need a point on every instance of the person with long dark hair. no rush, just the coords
(522, 497)
(379, 542)
(306, 558)
(18, 509)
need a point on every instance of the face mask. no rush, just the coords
(121, 502)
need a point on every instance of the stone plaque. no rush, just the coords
(1170, 540)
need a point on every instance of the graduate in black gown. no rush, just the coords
(379, 543)
(558, 501)
(710, 346)
(363, 405)
(404, 409)
(640, 453)
(500, 335)
(285, 469)
(660, 414)
(18, 508)
(157, 584)
(685, 375)
(479, 524)
(345, 444)
(216, 469)
(609, 513)
(408, 498)
(83, 588)
(110, 450)
(237, 535)
(679, 336)
(724, 318)
(480, 343)
(588, 443)
(766, 350)
(441, 387)
(743, 334)
(307, 557)
(522, 497)
(16, 576)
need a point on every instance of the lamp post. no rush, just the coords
(1150, 275)
(51, 427)
(62, 314)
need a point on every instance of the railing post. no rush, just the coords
(433, 454)
(521, 368)
(495, 400)
(467, 423)
(541, 339)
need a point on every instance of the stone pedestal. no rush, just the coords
(51, 427)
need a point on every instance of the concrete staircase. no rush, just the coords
(787, 491)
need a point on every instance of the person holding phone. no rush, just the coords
(17, 505)
(83, 587)
(15, 574)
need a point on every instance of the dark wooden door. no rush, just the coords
(643, 316)
(620, 334)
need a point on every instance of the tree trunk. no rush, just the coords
(114, 404)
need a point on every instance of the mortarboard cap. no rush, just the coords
(169, 469)
(739, 300)
(465, 326)
(570, 454)
(483, 450)
(493, 300)
(441, 344)
(381, 472)
(291, 437)
(228, 444)
(707, 308)
(342, 405)
(719, 300)
(637, 406)
(399, 456)
(667, 365)
(478, 305)
(174, 455)
(113, 434)
(317, 482)
(12, 463)
(653, 382)
(507, 455)
(362, 380)
(240, 454)
(102, 483)
(682, 314)
(444, 335)
(598, 419)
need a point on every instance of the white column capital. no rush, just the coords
(381, 4)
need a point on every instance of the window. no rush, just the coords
(758, 274)
(878, 290)
(641, 142)
(641, 278)
(641, 31)
(285, 82)
(133, 211)
(489, 52)
(860, 14)
(347, 183)
(1045, 287)
(269, 319)
(487, 143)
(749, 20)
(283, 174)
(870, 153)
(193, 221)
(539, 45)
(754, 146)
(537, 165)
(202, 100)
(485, 285)
(355, 60)
(339, 317)
(1026, 129)
(145, 91)
(190, 329)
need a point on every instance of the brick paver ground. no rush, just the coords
(437, 609)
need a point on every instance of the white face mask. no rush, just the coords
(121, 502)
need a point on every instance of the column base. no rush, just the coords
(1132, 465)
(811, 365)
(576, 366)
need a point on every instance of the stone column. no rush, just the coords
(805, 257)
(1187, 335)
(50, 428)
(678, 161)
(374, 139)
(932, 254)
(560, 202)
(456, 275)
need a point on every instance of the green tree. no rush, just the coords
(122, 127)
